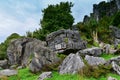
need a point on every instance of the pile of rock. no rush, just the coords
(29, 51)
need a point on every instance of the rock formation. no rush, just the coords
(116, 35)
(8, 72)
(103, 9)
(94, 51)
(65, 40)
(27, 51)
(71, 64)
(92, 61)
(115, 62)
(45, 75)
(3, 63)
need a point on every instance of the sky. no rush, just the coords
(20, 16)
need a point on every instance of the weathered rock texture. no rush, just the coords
(71, 64)
(3, 63)
(8, 72)
(94, 51)
(45, 75)
(91, 60)
(115, 62)
(115, 32)
(27, 51)
(65, 40)
(116, 67)
(103, 9)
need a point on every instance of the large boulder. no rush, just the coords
(91, 60)
(31, 51)
(45, 75)
(3, 63)
(71, 64)
(8, 72)
(94, 51)
(43, 56)
(65, 41)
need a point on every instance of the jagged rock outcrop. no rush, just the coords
(31, 51)
(71, 64)
(94, 51)
(91, 60)
(103, 9)
(45, 75)
(65, 40)
(8, 72)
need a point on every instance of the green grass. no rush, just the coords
(108, 56)
(24, 74)
(57, 76)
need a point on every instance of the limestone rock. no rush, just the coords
(116, 67)
(94, 51)
(43, 56)
(8, 72)
(115, 31)
(111, 78)
(71, 64)
(3, 63)
(45, 75)
(65, 40)
(91, 60)
(29, 51)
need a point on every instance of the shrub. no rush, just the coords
(95, 71)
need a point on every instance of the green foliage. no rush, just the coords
(5, 44)
(55, 17)
(116, 20)
(108, 56)
(52, 67)
(95, 71)
(57, 76)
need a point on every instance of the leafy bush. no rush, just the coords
(95, 71)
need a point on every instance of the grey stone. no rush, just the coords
(42, 56)
(65, 40)
(107, 48)
(116, 31)
(91, 60)
(116, 67)
(4, 64)
(94, 51)
(111, 78)
(8, 72)
(45, 75)
(71, 64)
(29, 51)
(114, 59)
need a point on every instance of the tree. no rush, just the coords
(116, 20)
(57, 17)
